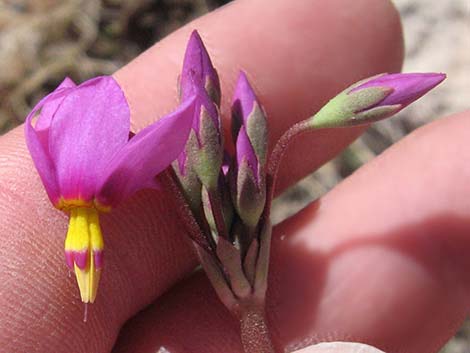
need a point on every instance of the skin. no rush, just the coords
(381, 259)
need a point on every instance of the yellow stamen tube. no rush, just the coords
(84, 250)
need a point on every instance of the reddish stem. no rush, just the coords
(254, 331)
(169, 181)
(275, 159)
(217, 212)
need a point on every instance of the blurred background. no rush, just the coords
(41, 41)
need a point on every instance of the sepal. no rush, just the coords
(249, 195)
(206, 155)
(257, 131)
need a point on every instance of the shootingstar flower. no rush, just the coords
(78, 137)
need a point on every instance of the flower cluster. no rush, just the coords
(78, 137)
(229, 196)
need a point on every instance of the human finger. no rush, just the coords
(382, 259)
(145, 249)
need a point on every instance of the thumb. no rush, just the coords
(340, 347)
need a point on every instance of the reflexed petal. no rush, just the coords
(49, 108)
(39, 150)
(145, 155)
(90, 125)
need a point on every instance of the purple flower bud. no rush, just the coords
(249, 129)
(198, 71)
(374, 99)
(199, 78)
(247, 113)
(204, 152)
(404, 88)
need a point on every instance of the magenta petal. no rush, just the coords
(49, 108)
(407, 87)
(80, 258)
(69, 259)
(197, 68)
(98, 258)
(145, 155)
(39, 151)
(90, 125)
(243, 98)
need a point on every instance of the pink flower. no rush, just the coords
(80, 145)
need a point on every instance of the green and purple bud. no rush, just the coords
(249, 129)
(204, 152)
(374, 99)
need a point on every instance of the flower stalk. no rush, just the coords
(254, 330)
(229, 233)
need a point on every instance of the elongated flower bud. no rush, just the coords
(204, 152)
(249, 128)
(374, 99)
